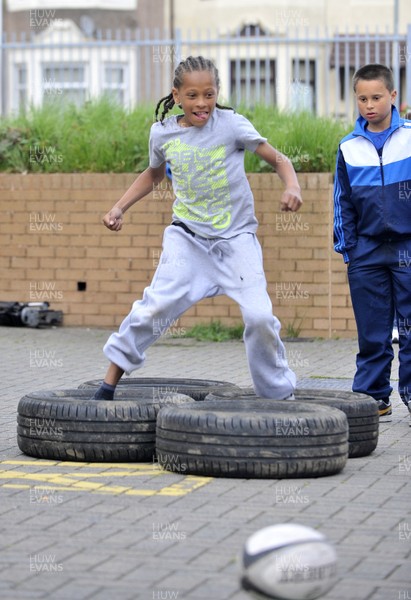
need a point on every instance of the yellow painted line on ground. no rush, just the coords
(154, 472)
(70, 481)
(41, 463)
(40, 488)
(18, 486)
(105, 490)
(137, 473)
(119, 473)
(48, 477)
(189, 484)
(67, 463)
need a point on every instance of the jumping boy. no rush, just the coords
(210, 248)
(372, 230)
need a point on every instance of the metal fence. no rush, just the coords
(302, 70)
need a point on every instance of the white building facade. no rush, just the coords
(291, 54)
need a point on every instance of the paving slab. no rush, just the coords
(73, 531)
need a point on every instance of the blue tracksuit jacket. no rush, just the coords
(372, 190)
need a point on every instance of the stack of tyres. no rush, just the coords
(197, 389)
(70, 425)
(361, 412)
(213, 428)
(256, 438)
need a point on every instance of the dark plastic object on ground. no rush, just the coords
(29, 314)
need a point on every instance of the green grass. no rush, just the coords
(215, 332)
(103, 137)
(291, 331)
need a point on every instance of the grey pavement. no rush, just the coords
(77, 531)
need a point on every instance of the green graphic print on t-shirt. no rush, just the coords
(200, 196)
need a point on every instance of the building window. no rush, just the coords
(114, 82)
(21, 87)
(252, 30)
(66, 81)
(252, 82)
(302, 85)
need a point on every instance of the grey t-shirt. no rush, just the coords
(213, 196)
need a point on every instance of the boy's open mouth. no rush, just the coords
(202, 115)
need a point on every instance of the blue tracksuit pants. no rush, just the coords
(380, 283)
(192, 268)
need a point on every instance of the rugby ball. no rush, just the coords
(289, 562)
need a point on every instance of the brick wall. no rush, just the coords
(53, 242)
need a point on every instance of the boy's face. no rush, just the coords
(197, 96)
(374, 102)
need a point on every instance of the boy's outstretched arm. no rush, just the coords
(142, 186)
(291, 198)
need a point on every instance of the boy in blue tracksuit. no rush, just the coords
(372, 230)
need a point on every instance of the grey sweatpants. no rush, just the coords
(193, 268)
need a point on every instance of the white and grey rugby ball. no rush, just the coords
(289, 562)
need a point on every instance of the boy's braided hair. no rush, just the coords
(192, 63)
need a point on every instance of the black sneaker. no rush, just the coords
(384, 410)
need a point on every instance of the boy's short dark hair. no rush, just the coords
(374, 71)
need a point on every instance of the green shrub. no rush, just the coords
(101, 136)
(309, 142)
(98, 137)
